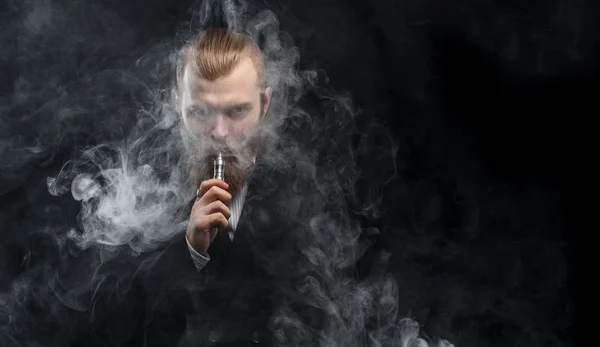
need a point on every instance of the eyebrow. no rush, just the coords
(238, 106)
(196, 108)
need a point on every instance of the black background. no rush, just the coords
(488, 102)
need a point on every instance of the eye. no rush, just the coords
(238, 112)
(199, 113)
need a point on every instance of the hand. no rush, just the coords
(209, 214)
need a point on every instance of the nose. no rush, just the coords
(220, 129)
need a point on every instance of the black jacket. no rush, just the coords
(237, 298)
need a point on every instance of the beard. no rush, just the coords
(235, 174)
(238, 163)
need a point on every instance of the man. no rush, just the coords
(243, 253)
(221, 96)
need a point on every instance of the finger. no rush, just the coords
(218, 220)
(211, 221)
(213, 194)
(217, 206)
(206, 185)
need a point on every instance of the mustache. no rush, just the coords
(212, 149)
(208, 148)
(228, 157)
(224, 151)
(200, 149)
(207, 142)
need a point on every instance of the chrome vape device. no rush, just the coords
(219, 167)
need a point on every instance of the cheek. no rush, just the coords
(242, 131)
(248, 124)
(196, 128)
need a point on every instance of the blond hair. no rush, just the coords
(214, 53)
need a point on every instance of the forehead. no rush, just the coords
(241, 85)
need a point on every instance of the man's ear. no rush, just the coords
(266, 100)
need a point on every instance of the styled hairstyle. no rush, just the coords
(215, 52)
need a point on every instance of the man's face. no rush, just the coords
(226, 111)
(223, 115)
